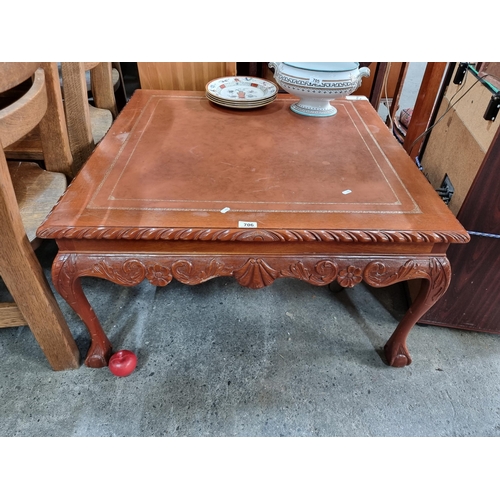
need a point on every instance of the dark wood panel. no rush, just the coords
(472, 301)
(480, 210)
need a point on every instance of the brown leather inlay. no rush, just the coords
(191, 155)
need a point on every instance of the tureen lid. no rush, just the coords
(325, 66)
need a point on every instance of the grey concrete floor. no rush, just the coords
(218, 359)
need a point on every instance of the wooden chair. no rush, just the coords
(27, 193)
(48, 141)
(87, 124)
(72, 126)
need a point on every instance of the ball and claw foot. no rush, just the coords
(397, 355)
(98, 356)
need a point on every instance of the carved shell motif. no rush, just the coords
(256, 274)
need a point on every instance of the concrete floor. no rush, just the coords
(218, 359)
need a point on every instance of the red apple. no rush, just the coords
(122, 363)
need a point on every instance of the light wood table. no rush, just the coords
(183, 189)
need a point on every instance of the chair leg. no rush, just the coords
(30, 289)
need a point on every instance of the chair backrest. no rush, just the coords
(23, 115)
(87, 124)
(182, 75)
(48, 142)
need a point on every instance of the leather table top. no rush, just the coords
(176, 160)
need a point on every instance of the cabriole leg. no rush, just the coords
(66, 279)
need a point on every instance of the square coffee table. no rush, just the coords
(181, 188)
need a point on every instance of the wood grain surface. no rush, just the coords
(182, 75)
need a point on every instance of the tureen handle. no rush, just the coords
(274, 65)
(364, 72)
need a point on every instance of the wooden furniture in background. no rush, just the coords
(424, 107)
(396, 95)
(87, 124)
(465, 148)
(48, 141)
(256, 194)
(72, 126)
(102, 86)
(119, 86)
(473, 299)
(372, 87)
(27, 193)
(98, 85)
(182, 75)
(380, 77)
(457, 145)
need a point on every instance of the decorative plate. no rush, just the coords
(241, 88)
(244, 104)
(240, 105)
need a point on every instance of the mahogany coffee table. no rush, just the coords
(181, 188)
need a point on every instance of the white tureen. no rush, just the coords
(318, 83)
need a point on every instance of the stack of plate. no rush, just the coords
(243, 92)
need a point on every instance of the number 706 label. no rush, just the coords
(243, 223)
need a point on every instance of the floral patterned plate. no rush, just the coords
(240, 104)
(241, 89)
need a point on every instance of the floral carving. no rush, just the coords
(349, 277)
(158, 275)
(130, 273)
(436, 270)
(186, 272)
(324, 272)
